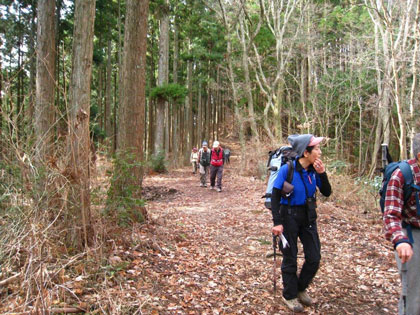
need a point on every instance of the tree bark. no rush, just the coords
(248, 89)
(133, 90)
(78, 140)
(188, 112)
(101, 111)
(199, 111)
(108, 93)
(414, 85)
(32, 68)
(45, 80)
(163, 69)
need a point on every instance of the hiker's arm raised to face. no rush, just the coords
(319, 166)
(325, 186)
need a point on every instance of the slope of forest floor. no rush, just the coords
(205, 252)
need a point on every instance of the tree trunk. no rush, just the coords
(133, 98)
(151, 129)
(188, 112)
(231, 74)
(382, 128)
(175, 107)
(133, 92)
(108, 94)
(248, 89)
(1, 110)
(414, 85)
(199, 112)
(101, 111)
(163, 69)
(45, 79)
(167, 127)
(32, 69)
(79, 216)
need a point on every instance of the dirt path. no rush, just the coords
(208, 253)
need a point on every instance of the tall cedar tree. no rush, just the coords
(130, 134)
(79, 216)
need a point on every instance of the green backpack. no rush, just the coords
(205, 157)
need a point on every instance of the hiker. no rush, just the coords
(216, 166)
(194, 159)
(295, 216)
(402, 228)
(226, 153)
(204, 163)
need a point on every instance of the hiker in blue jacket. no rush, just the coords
(295, 216)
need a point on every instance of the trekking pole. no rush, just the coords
(275, 241)
(404, 287)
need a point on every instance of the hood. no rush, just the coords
(299, 142)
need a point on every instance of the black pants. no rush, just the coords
(297, 225)
(216, 171)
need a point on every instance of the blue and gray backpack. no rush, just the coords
(276, 159)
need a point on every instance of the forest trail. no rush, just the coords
(204, 252)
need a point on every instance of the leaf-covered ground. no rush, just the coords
(205, 252)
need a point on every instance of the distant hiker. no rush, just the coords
(204, 163)
(216, 166)
(227, 155)
(194, 159)
(295, 215)
(402, 228)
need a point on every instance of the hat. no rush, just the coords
(299, 143)
(216, 144)
(314, 141)
(205, 144)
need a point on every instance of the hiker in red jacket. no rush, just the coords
(216, 166)
(402, 228)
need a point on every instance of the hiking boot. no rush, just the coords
(294, 305)
(304, 298)
(219, 189)
(212, 187)
(202, 185)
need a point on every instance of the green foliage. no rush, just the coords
(169, 92)
(343, 21)
(112, 271)
(123, 202)
(265, 40)
(97, 132)
(158, 163)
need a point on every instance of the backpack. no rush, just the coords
(276, 159)
(205, 157)
(408, 181)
